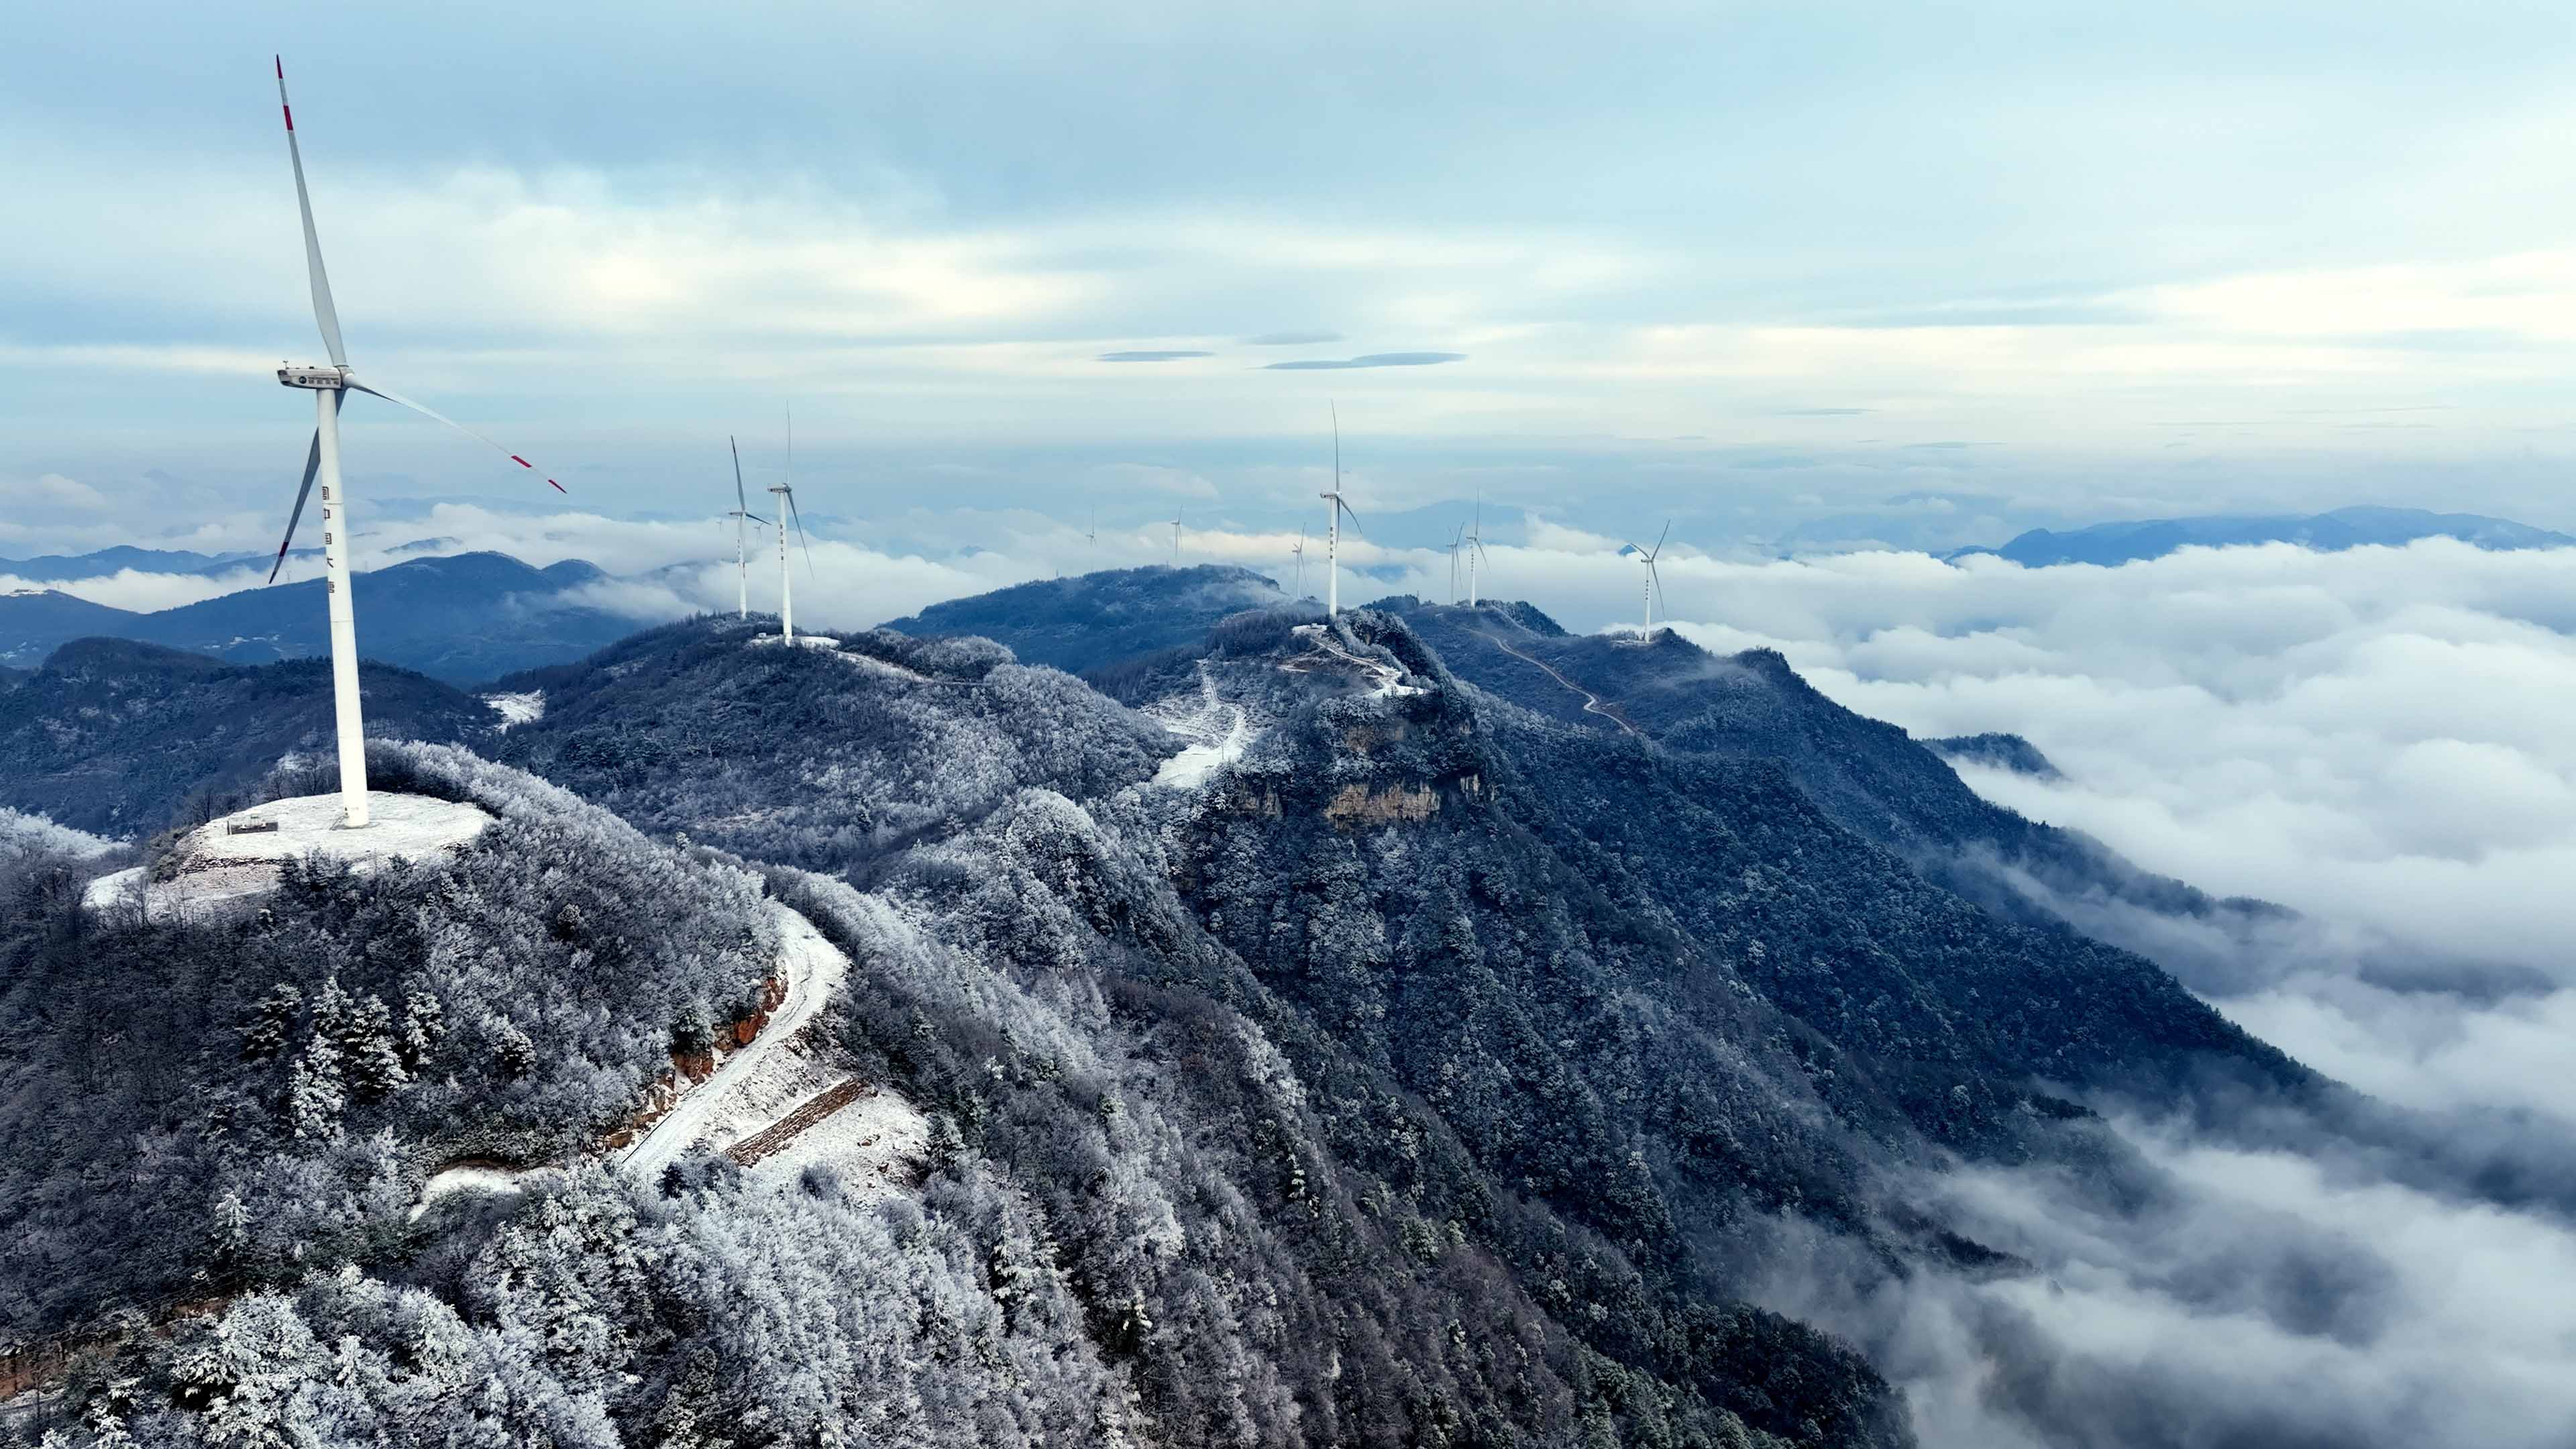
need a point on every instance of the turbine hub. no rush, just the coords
(317, 379)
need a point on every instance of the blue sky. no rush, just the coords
(1765, 268)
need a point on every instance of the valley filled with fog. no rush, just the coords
(2376, 740)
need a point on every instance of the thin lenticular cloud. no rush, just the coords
(1172, 356)
(1374, 359)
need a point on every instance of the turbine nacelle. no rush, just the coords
(318, 379)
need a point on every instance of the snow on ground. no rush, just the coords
(878, 1143)
(215, 864)
(518, 709)
(813, 969)
(1215, 742)
(876, 1140)
(1390, 680)
(810, 641)
(484, 1179)
(888, 666)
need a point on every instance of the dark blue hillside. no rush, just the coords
(116, 738)
(2135, 540)
(1083, 624)
(463, 618)
(1869, 776)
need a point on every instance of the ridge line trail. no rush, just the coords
(1390, 679)
(1591, 702)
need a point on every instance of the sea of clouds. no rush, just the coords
(2375, 739)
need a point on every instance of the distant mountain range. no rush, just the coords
(2131, 542)
(55, 568)
(463, 618)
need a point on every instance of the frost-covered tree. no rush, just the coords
(271, 1023)
(371, 1052)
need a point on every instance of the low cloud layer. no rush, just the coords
(2263, 1299)
(2374, 739)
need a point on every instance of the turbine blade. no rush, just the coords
(800, 534)
(435, 416)
(323, 312)
(741, 500)
(1659, 539)
(1347, 513)
(312, 465)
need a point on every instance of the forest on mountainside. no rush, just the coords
(228, 1099)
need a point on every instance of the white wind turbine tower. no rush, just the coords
(786, 490)
(1334, 509)
(1455, 544)
(1176, 536)
(330, 387)
(1654, 581)
(1476, 550)
(1299, 554)
(743, 518)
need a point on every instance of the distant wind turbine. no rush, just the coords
(1176, 536)
(743, 518)
(786, 490)
(1333, 513)
(1476, 550)
(330, 387)
(1654, 581)
(1299, 554)
(1455, 544)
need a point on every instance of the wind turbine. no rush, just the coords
(330, 387)
(1476, 550)
(1654, 581)
(1455, 544)
(1299, 554)
(743, 518)
(786, 490)
(1333, 512)
(1176, 536)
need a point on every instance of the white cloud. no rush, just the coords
(2248, 1297)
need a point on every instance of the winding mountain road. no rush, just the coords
(1591, 702)
(813, 968)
